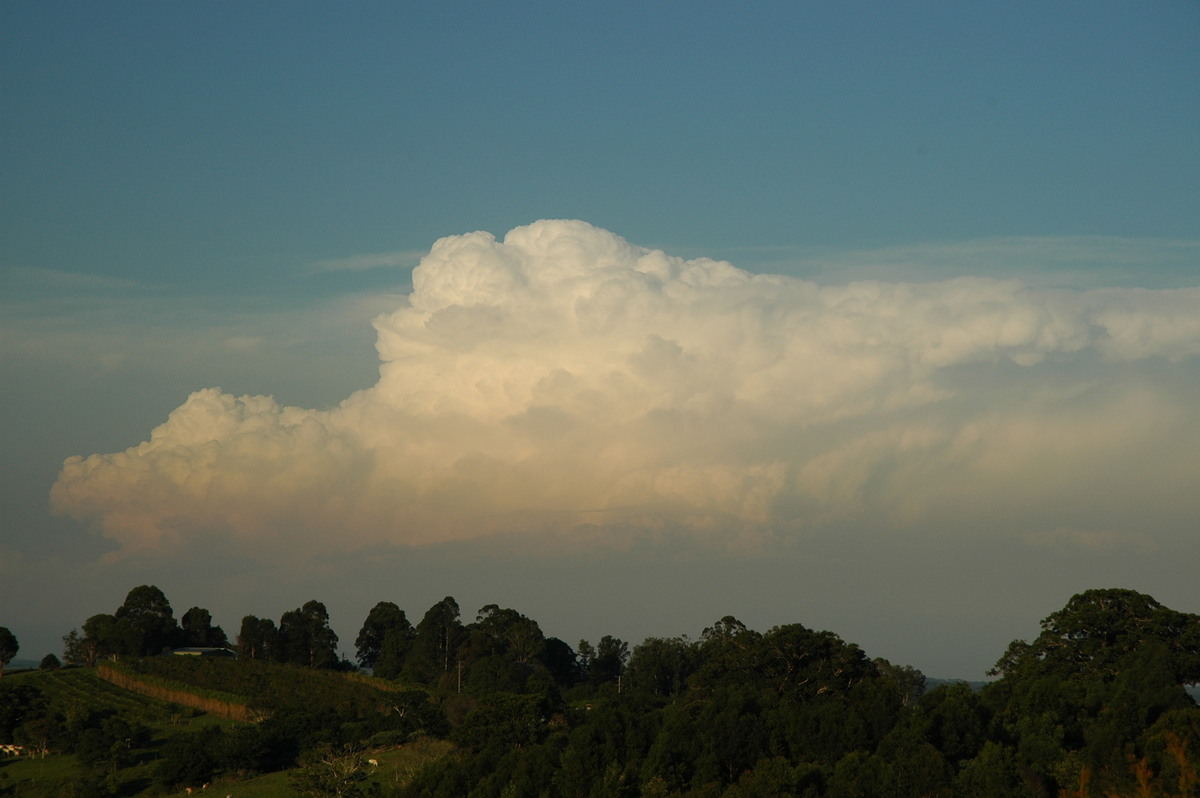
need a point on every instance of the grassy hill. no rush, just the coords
(79, 713)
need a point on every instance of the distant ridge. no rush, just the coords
(22, 665)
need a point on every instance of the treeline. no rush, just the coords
(142, 626)
(1094, 706)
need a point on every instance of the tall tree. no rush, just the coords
(609, 662)
(562, 662)
(305, 637)
(506, 632)
(106, 636)
(8, 647)
(1104, 669)
(439, 635)
(1098, 630)
(199, 631)
(147, 610)
(661, 666)
(74, 652)
(257, 639)
(384, 619)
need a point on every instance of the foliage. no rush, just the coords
(1095, 706)
(8, 647)
(258, 639)
(333, 771)
(305, 637)
(1074, 705)
(197, 630)
(384, 640)
(1098, 631)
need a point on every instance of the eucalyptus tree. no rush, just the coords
(305, 637)
(384, 640)
(8, 647)
(148, 614)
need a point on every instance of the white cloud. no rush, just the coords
(1046, 261)
(400, 258)
(567, 385)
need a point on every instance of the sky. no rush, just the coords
(882, 318)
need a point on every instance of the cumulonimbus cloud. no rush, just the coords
(565, 384)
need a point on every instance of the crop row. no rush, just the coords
(81, 688)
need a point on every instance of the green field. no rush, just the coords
(77, 693)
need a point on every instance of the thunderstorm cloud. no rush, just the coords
(565, 388)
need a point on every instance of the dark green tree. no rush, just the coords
(147, 611)
(438, 638)
(727, 646)
(74, 650)
(505, 632)
(8, 647)
(1073, 703)
(723, 631)
(909, 682)
(1095, 634)
(661, 666)
(384, 619)
(305, 637)
(189, 758)
(198, 629)
(258, 639)
(585, 657)
(609, 662)
(19, 704)
(561, 662)
(107, 636)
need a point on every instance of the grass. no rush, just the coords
(38, 777)
(76, 692)
(396, 768)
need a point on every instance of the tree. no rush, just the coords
(199, 631)
(1103, 669)
(103, 636)
(305, 637)
(19, 704)
(384, 619)
(8, 647)
(909, 682)
(609, 662)
(561, 662)
(49, 663)
(662, 665)
(149, 613)
(257, 639)
(723, 631)
(586, 656)
(439, 634)
(74, 649)
(1096, 633)
(189, 758)
(506, 632)
(337, 772)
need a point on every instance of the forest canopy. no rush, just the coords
(1095, 705)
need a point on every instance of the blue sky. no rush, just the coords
(204, 195)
